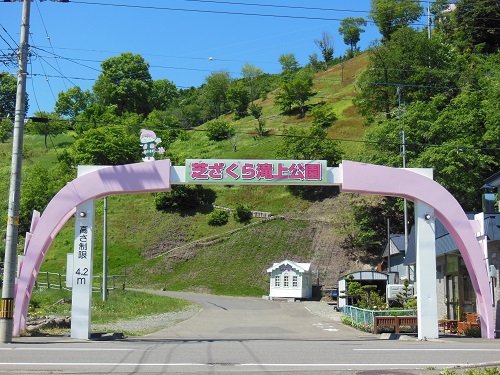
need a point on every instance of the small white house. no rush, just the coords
(289, 279)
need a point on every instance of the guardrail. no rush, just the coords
(54, 280)
(366, 318)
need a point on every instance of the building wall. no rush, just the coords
(441, 286)
(302, 290)
(397, 266)
(494, 259)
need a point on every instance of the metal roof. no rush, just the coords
(493, 180)
(366, 275)
(444, 241)
(301, 267)
(396, 245)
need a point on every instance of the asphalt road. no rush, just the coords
(247, 335)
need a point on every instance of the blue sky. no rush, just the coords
(184, 43)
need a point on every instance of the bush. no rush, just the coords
(323, 116)
(243, 214)
(485, 371)
(218, 130)
(218, 218)
(183, 198)
(473, 331)
(361, 326)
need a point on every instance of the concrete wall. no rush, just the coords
(494, 259)
(441, 286)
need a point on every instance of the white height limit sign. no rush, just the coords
(82, 271)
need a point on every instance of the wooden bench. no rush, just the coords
(394, 321)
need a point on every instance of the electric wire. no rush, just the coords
(278, 6)
(312, 18)
(48, 38)
(11, 38)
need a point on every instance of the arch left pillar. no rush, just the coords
(153, 176)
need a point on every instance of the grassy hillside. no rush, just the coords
(229, 262)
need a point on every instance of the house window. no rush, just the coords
(285, 281)
(277, 281)
(294, 281)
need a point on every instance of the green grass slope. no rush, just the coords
(228, 263)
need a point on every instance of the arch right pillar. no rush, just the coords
(374, 179)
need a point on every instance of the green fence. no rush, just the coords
(365, 318)
(54, 280)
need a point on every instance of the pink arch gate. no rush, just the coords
(155, 176)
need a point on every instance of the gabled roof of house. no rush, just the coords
(396, 245)
(493, 180)
(301, 267)
(444, 241)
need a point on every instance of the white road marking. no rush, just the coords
(350, 365)
(325, 327)
(69, 349)
(430, 349)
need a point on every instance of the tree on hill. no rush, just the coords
(111, 145)
(289, 64)
(163, 94)
(6, 127)
(214, 94)
(219, 130)
(308, 144)
(187, 108)
(238, 96)
(450, 136)
(185, 199)
(323, 116)
(391, 15)
(315, 63)
(125, 81)
(95, 115)
(39, 186)
(8, 89)
(256, 112)
(470, 24)
(72, 102)
(251, 75)
(351, 29)
(47, 125)
(325, 45)
(419, 66)
(295, 91)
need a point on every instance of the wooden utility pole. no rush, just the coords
(11, 239)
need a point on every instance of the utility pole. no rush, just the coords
(403, 153)
(428, 19)
(10, 264)
(105, 252)
(405, 209)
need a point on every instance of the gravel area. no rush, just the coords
(147, 324)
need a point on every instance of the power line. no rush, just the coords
(48, 38)
(278, 6)
(11, 38)
(159, 55)
(312, 18)
(33, 87)
(206, 11)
